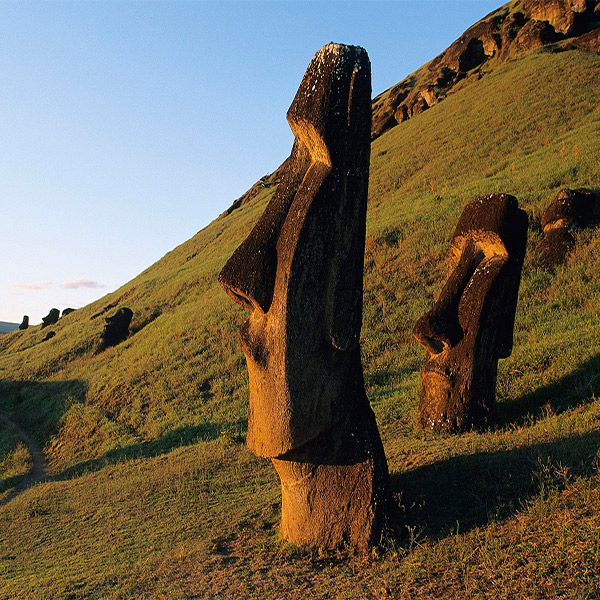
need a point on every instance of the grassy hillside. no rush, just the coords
(152, 492)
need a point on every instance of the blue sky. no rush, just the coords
(126, 127)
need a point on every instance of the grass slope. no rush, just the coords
(153, 493)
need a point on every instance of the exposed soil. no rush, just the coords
(40, 465)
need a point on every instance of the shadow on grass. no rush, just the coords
(470, 491)
(182, 436)
(38, 406)
(570, 391)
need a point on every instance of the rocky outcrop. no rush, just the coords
(49, 336)
(562, 15)
(300, 274)
(51, 317)
(513, 29)
(24, 323)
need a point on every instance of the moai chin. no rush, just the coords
(570, 210)
(471, 325)
(300, 273)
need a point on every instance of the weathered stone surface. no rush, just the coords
(24, 323)
(587, 41)
(116, 328)
(534, 34)
(560, 14)
(471, 325)
(49, 336)
(300, 273)
(51, 317)
(570, 210)
(513, 29)
(67, 311)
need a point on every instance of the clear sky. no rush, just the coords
(126, 127)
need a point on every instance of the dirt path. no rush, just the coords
(40, 465)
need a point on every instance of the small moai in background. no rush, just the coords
(116, 328)
(471, 325)
(570, 210)
(300, 274)
(51, 317)
(24, 323)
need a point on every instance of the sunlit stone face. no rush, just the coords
(471, 325)
(299, 272)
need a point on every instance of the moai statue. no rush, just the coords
(51, 317)
(300, 274)
(24, 323)
(116, 328)
(471, 325)
(49, 336)
(67, 311)
(568, 211)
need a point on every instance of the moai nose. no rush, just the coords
(248, 277)
(438, 329)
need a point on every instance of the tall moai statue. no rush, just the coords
(24, 323)
(300, 273)
(471, 325)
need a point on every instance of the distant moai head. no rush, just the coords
(51, 317)
(300, 270)
(67, 311)
(24, 323)
(116, 328)
(299, 273)
(570, 210)
(471, 325)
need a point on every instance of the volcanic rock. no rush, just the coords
(471, 325)
(300, 274)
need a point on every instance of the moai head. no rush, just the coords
(300, 270)
(570, 210)
(116, 328)
(300, 274)
(51, 317)
(24, 323)
(471, 325)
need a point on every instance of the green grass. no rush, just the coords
(152, 492)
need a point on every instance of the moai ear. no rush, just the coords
(516, 244)
(349, 261)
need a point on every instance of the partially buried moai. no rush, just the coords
(116, 328)
(471, 325)
(300, 273)
(570, 210)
